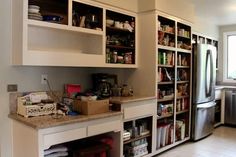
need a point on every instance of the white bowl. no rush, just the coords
(109, 22)
(33, 10)
(33, 7)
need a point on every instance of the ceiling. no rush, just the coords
(221, 12)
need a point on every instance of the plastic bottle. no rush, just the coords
(115, 57)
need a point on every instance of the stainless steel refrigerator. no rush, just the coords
(204, 75)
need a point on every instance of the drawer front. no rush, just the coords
(61, 137)
(104, 127)
(138, 111)
(218, 94)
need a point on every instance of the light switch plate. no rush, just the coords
(12, 88)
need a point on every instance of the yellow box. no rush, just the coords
(91, 107)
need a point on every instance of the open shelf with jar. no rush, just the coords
(182, 129)
(54, 11)
(120, 38)
(165, 132)
(71, 33)
(174, 62)
(184, 36)
(166, 31)
(137, 137)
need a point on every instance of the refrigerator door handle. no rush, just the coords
(206, 105)
(208, 74)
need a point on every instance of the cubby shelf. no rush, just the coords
(180, 112)
(174, 63)
(165, 99)
(170, 33)
(180, 66)
(182, 82)
(181, 97)
(120, 47)
(136, 138)
(165, 116)
(166, 83)
(165, 66)
(51, 25)
(114, 29)
(76, 35)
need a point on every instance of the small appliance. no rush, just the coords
(102, 84)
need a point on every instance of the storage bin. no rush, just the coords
(91, 107)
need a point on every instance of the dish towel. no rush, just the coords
(56, 151)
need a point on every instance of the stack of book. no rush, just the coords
(165, 134)
(180, 130)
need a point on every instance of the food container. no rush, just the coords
(52, 18)
(109, 22)
(91, 107)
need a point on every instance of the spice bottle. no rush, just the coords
(114, 57)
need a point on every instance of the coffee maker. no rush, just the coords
(102, 84)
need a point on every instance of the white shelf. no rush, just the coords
(52, 58)
(166, 48)
(37, 23)
(184, 50)
(120, 65)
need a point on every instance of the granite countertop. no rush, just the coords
(135, 98)
(42, 122)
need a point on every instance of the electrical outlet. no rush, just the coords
(44, 78)
(12, 88)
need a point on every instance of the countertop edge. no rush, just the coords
(123, 100)
(70, 120)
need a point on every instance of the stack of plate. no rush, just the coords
(33, 12)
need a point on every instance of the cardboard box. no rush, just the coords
(91, 106)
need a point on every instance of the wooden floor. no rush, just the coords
(222, 143)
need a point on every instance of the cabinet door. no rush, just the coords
(100, 128)
(62, 137)
(139, 111)
(218, 94)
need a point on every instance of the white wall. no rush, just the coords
(222, 29)
(131, 5)
(204, 26)
(183, 9)
(28, 78)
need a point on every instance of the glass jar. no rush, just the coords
(114, 57)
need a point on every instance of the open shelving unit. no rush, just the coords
(174, 76)
(67, 33)
(120, 38)
(139, 142)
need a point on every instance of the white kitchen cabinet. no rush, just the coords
(135, 114)
(31, 142)
(41, 43)
(167, 42)
(220, 106)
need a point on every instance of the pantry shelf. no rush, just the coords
(180, 112)
(165, 83)
(165, 116)
(51, 25)
(165, 66)
(163, 100)
(137, 138)
(120, 47)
